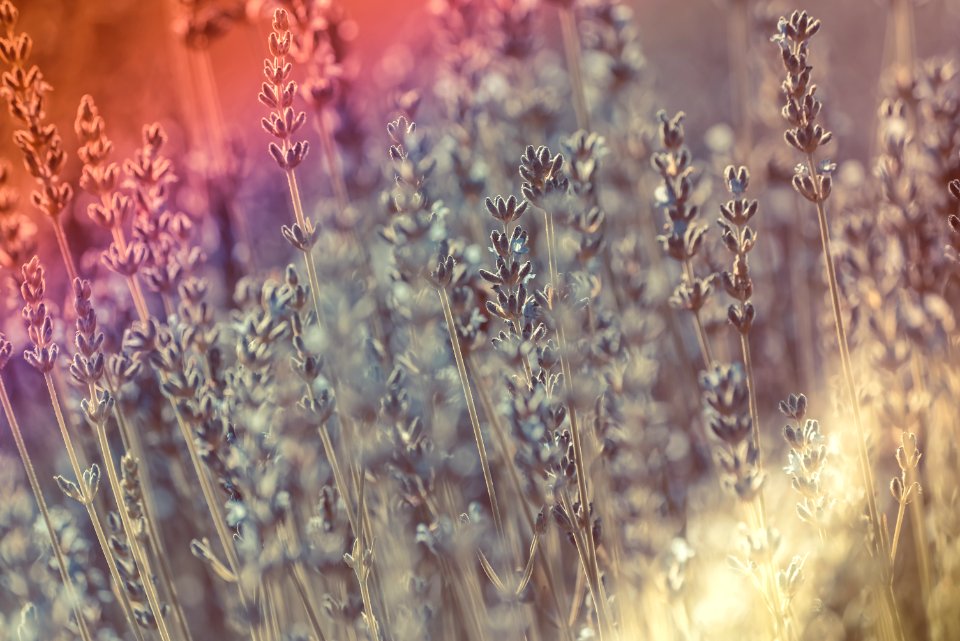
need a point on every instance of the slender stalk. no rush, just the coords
(329, 148)
(754, 410)
(760, 503)
(153, 535)
(119, 585)
(362, 564)
(845, 361)
(139, 555)
(901, 511)
(588, 564)
(472, 410)
(505, 452)
(571, 49)
(338, 477)
(917, 518)
(307, 255)
(590, 550)
(44, 512)
(64, 246)
(851, 388)
(210, 497)
(737, 41)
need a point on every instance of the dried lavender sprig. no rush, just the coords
(180, 381)
(682, 235)
(509, 284)
(18, 235)
(727, 408)
(801, 110)
(308, 368)
(97, 409)
(43, 358)
(6, 349)
(313, 26)
(100, 178)
(903, 488)
(164, 232)
(278, 93)
(138, 509)
(88, 368)
(739, 238)
(807, 459)
(25, 90)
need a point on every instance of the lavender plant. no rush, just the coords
(443, 403)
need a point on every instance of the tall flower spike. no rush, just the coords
(88, 362)
(43, 354)
(683, 235)
(801, 110)
(25, 92)
(278, 93)
(726, 407)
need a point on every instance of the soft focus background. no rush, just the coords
(129, 55)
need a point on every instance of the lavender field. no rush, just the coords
(479, 320)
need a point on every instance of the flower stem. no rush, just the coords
(119, 585)
(210, 498)
(44, 512)
(847, 368)
(64, 246)
(136, 550)
(472, 410)
(307, 255)
(571, 49)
